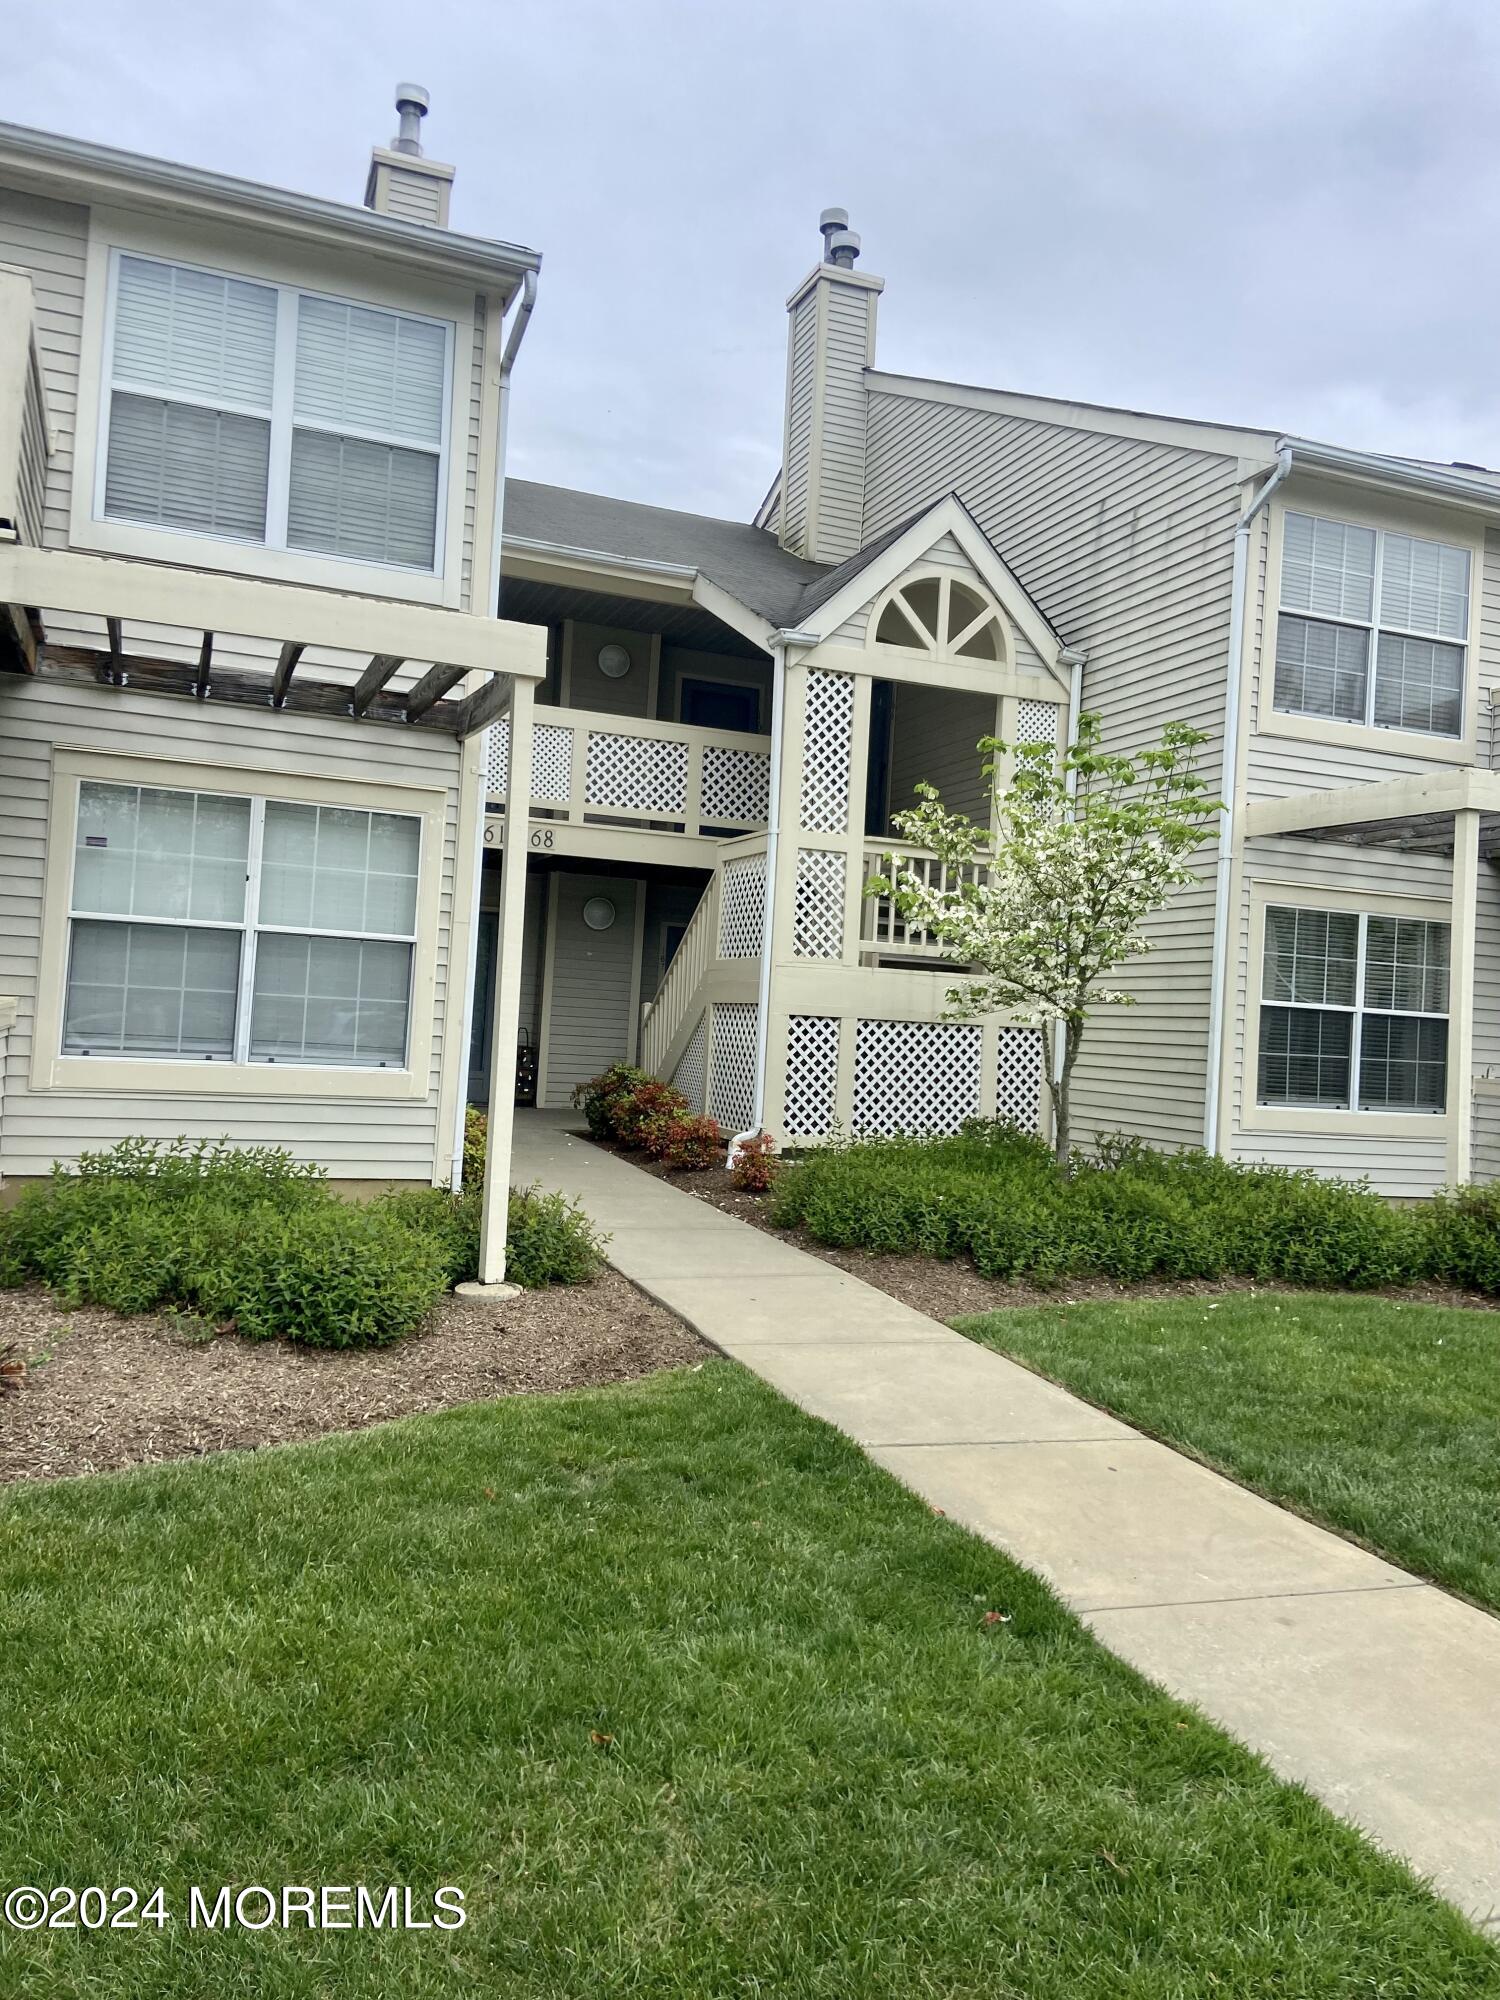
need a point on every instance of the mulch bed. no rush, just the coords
(947, 1291)
(101, 1390)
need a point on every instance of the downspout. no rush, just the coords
(512, 348)
(779, 644)
(1229, 777)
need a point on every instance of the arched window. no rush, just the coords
(942, 617)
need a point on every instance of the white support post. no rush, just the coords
(507, 1014)
(1461, 995)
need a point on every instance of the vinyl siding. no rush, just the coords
(841, 475)
(473, 426)
(588, 688)
(1396, 1165)
(1127, 547)
(588, 1004)
(798, 436)
(352, 1139)
(49, 240)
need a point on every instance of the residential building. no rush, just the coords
(732, 715)
(250, 485)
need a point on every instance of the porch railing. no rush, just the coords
(883, 929)
(617, 767)
(25, 438)
(664, 1015)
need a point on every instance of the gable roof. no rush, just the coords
(749, 563)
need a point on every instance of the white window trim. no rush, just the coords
(112, 233)
(152, 1076)
(1339, 898)
(1405, 744)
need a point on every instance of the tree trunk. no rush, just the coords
(1062, 1094)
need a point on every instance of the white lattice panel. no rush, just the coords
(689, 1075)
(818, 919)
(644, 774)
(551, 762)
(736, 786)
(828, 737)
(812, 1072)
(742, 906)
(1036, 722)
(1018, 1078)
(915, 1076)
(731, 1069)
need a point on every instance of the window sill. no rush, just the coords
(151, 1076)
(1360, 736)
(1416, 1125)
(231, 557)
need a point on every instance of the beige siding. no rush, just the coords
(592, 979)
(841, 472)
(934, 734)
(797, 450)
(49, 239)
(1397, 1165)
(1486, 1156)
(353, 1139)
(474, 413)
(1127, 546)
(588, 688)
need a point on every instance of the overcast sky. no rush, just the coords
(1283, 216)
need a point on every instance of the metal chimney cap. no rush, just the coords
(412, 103)
(833, 218)
(843, 248)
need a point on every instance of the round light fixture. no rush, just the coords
(598, 913)
(614, 662)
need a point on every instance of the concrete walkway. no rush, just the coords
(1375, 1690)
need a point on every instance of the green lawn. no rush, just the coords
(1380, 1418)
(685, 1695)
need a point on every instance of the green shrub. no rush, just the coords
(993, 1194)
(476, 1128)
(548, 1240)
(1460, 1232)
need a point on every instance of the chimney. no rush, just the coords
(402, 181)
(830, 343)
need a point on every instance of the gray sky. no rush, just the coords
(1283, 216)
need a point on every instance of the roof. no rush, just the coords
(832, 581)
(747, 562)
(79, 170)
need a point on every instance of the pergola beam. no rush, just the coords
(484, 706)
(205, 666)
(286, 666)
(373, 679)
(433, 685)
(116, 669)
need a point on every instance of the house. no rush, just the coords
(251, 472)
(732, 714)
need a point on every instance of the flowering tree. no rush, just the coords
(1051, 902)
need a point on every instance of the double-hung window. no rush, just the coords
(1373, 627)
(266, 414)
(1354, 1011)
(240, 930)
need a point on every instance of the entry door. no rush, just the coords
(720, 705)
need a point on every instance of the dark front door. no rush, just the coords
(720, 705)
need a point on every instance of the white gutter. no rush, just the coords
(1229, 778)
(518, 326)
(1369, 468)
(778, 647)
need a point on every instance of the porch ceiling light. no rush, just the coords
(598, 913)
(614, 662)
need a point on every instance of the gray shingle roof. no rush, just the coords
(747, 562)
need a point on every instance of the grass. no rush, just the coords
(686, 1696)
(1380, 1418)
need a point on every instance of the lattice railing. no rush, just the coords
(883, 929)
(818, 908)
(742, 905)
(812, 1069)
(915, 1076)
(731, 1064)
(1018, 1077)
(617, 767)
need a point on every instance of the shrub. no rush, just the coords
(633, 1114)
(756, 1165)
(993, 1194)
(694, 1144)
(596, 1098)
(1461, 1237)
(476, 1127)
(548, 1240)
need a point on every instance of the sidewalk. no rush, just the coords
(1378, 1692)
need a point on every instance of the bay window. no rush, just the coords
(267, 414)
(240, 930)
(1354, 1011)
(1373, 627)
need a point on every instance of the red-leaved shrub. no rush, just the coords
(756, 1165)
(693, 1144)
